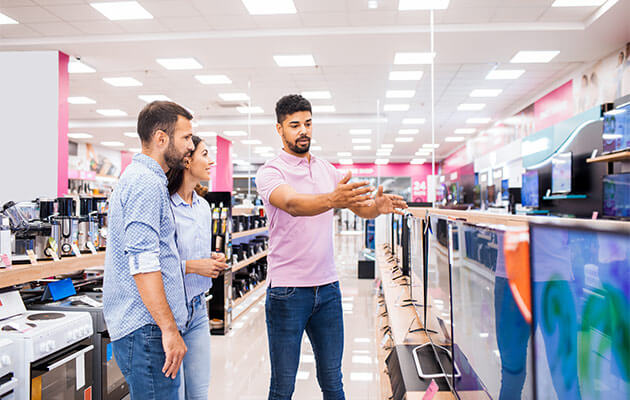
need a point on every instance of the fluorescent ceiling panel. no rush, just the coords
(412, 131)
(413, 58)
(149, 98)
(269, 7)
(344, 154)
(263, 149)
(418, 161)
(234, 96)
(479, 121)
(408, 5)
(381, 161)
(179, 64)
(345, 161)
(235, 133)
(396, 107)
(465, 131)
(135, 149)
(362, 148)
(81, 100)
(213, 79)
(6, 20)
(324, 109)
(454, 139)
(122, 10)
(77, 67)
(254, 110)
(361, 140)
(80, 136)
(405, 75)
(303, 60)
(111, 112)
(360, 131)
(430, 146)
(486, 92)
(316, 148)
(505, 74)
(471, 107)
(123, 81)
(251, 141)
(530, 57)
(404, 139)
(131, 134)
(113, 144)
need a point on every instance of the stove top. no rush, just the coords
(88, 302)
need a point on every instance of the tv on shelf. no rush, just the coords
(617, 196)
(616, 133)
(529, 192)
(561, 173)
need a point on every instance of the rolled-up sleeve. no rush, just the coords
(268, 178)
(142, 227)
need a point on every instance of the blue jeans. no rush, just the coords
(195, 369)
(291, 311)
(140, 357)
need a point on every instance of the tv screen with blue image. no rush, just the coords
(617, 196)
(616, 133)
(561, 173)
(529, 192)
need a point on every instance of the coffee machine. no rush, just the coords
(88, 223)
(67, 224)
(99, 210)
(29, 234)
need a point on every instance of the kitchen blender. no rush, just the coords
(34, 235)
(68, 226)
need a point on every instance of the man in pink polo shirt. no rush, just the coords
(300, 192)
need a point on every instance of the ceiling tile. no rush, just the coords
(186, 24)
(26, 15)
(17, 31)
(98, 27)
(55, 29)
(171, 8)
(324, 19)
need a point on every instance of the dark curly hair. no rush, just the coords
(291, 104)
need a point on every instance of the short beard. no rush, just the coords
(173, 159)
(298, 150)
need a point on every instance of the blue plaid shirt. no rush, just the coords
(141, 239)
(194, 239)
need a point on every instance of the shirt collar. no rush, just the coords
(294, 160)
(151, 164)
(178, 201)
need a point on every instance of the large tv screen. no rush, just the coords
(561, 173)
(580, 279)
(616, 133)
(416, 245)
(617, 196)
(529, 192)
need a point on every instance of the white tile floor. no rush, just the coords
(240, 361)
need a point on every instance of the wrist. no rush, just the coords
(329, 201)
(191, 267)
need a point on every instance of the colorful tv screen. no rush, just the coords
(529, 192)
(561, 173)
(617, 196)
(616, 134)
(580, 288)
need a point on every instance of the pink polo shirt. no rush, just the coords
(300, 248)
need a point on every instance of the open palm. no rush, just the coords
(389, 203)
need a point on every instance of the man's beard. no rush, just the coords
(294, 147)
(174, 159)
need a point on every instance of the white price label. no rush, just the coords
(91, 247)
(75, 250)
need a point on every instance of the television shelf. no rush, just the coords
(621, 156)
(565, 197)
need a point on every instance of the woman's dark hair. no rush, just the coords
(290, 104)
(176, 175)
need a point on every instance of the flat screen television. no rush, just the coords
(405, 242)
(616, 132)
(416, 266)
(505, 186)
(492, 194)
(477, 196)
(561, 173)
(617, 196)
(580, 296)
(529, 192)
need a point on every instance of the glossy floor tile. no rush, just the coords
(240, 361)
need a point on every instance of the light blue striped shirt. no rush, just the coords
(194, 239)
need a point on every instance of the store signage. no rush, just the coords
(555, 107)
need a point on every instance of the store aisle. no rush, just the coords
(240, 362)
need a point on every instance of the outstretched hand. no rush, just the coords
(389, 203)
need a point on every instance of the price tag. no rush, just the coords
(595, 215)
(91, 302)
(75, 250)
(53, 254)
(31, 256)
(431, 390)
(90, 246)
(5, 261)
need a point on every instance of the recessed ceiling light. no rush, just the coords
(316, 148)
(303, 60)
(404, 139)
(251, 141)
(113, 144)
(413, 58)
(372, 4)
(131, 134)
(235, 133)
(6, 20)
(485, 92)
(413, 121)
(344, 154)
(324, 109)
(122, 10)
(404, 5)
(400, 94)
(317, 94)
(578, 3)
(361, 148)
(263, 149)
(418, 161)
(471, 107)
(430, 146)
(269, 7)
(213, 79)
(405, 75)
(80, 136)
(149, 98)
(253, 110)
(81, 100)
(177, 64)
(207, 134)
(77, 67)
(454, 139)
(111, 112)
(465, 131)
(381, 161)
(135, 150)
(479, 121)
(504, 74)
(387, 146)
(234, 96)
(345, 161)
(360, 131)
(528, 57)
(408, 131)
(361, 140)
(396, 107)
(123, 81)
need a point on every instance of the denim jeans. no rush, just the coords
(140, 357)
(195, 369)
(317, 310)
